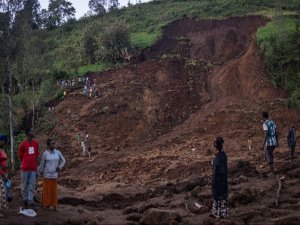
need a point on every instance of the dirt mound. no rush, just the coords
(152, 128)
(213, 41)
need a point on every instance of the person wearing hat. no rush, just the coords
(220, 182)
(3, 176)
(28, 154)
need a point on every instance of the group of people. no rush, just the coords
(219, 163)
(51, 163)
(91, 91)
(89, 87)
(66, 83)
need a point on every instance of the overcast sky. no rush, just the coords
(82, 7)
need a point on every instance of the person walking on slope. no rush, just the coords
(28, 153)
(291, 140)
(270, 140)
(52, 162)
(3, 176)
(220, 182)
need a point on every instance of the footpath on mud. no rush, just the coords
(152, 130)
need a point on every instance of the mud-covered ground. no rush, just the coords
(152, 129)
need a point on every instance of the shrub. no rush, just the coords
(111, 41)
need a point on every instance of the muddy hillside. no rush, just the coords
(152, 128)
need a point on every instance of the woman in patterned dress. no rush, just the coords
(220, 182)
(3, 176)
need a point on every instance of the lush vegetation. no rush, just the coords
(145, 23)
(280, 43)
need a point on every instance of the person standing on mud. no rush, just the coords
(220, 182)
(28, 153)
(270, 141)
(52, 162)
(3, 176)
(291, 140)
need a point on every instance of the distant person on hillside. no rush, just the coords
(64, 95)
(220, 182)
(249, 143)
(28, 153)
(78, 137)
(52, 162)
(85, 90)
(96, 94)
(85, 149)
(3, 176)
(91, 91)
(270, 140)
(291, 140)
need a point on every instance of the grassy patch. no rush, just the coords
(279, 41)
(93, 68)
(143, 39)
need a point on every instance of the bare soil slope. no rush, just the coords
(152, 130)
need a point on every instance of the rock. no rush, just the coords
(129, 210)
(159, 217)
(134, 217)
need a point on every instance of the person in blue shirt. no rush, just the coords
(270, 141)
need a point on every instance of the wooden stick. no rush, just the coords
(278, 190)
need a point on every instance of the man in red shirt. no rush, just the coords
(28, 153)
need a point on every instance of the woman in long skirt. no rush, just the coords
(3, 176)
(52, 162)
(220, 181)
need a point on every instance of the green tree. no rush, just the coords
(97, 6)
(59, 11)
(9, 10)
(111, 42)
(89, 43)
(113, 5)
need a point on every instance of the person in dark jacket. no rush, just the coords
(220, 182)
(291, 140)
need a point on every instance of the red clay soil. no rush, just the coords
(152, 130)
